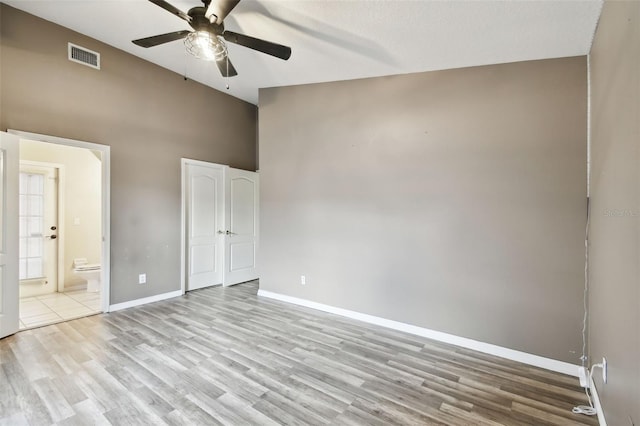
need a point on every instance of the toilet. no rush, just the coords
(89, 272)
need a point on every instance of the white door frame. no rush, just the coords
(184, 162)
(59, 213)
(9, 303)
(106, 201)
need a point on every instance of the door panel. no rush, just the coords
(203, 202)
(242, 256)
(241, 195)
(205, 214)
(203, 258)
(9, 322)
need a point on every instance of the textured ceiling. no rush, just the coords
(341, 39)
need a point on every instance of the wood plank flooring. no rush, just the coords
(226, 356)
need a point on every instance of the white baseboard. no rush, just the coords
(145, 300)
(488, 348)
(75, 287)
(596, 402)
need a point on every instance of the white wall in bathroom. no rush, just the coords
(82, 200)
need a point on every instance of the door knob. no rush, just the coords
(230, 233)
(53, 228)
(220, 232)
(53, 237)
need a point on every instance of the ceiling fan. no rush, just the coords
(207, 40)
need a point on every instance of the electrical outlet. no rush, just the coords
(303, 280)
(604, 369)
(142, 278)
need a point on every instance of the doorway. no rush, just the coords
(64, 229)
(219, 225)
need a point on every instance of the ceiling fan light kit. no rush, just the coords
(206, 46)
(207, 40)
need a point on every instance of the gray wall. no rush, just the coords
(452, 200)
(149, 116)
(614, 297)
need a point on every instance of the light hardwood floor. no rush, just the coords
(226, 356)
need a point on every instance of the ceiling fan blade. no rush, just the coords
(161, 39)
(169, 7)
(273, 49)
(220, 9)
(226, 68)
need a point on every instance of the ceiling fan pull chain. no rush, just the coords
(227, 74)
(185, 65)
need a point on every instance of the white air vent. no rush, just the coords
(84, 56)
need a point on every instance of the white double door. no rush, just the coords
(221, 220)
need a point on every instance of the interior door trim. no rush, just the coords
(105, 150)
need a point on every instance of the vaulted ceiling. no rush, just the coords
(341, 39)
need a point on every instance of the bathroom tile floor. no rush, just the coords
(56, 307)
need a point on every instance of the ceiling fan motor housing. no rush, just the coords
(200, 23)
